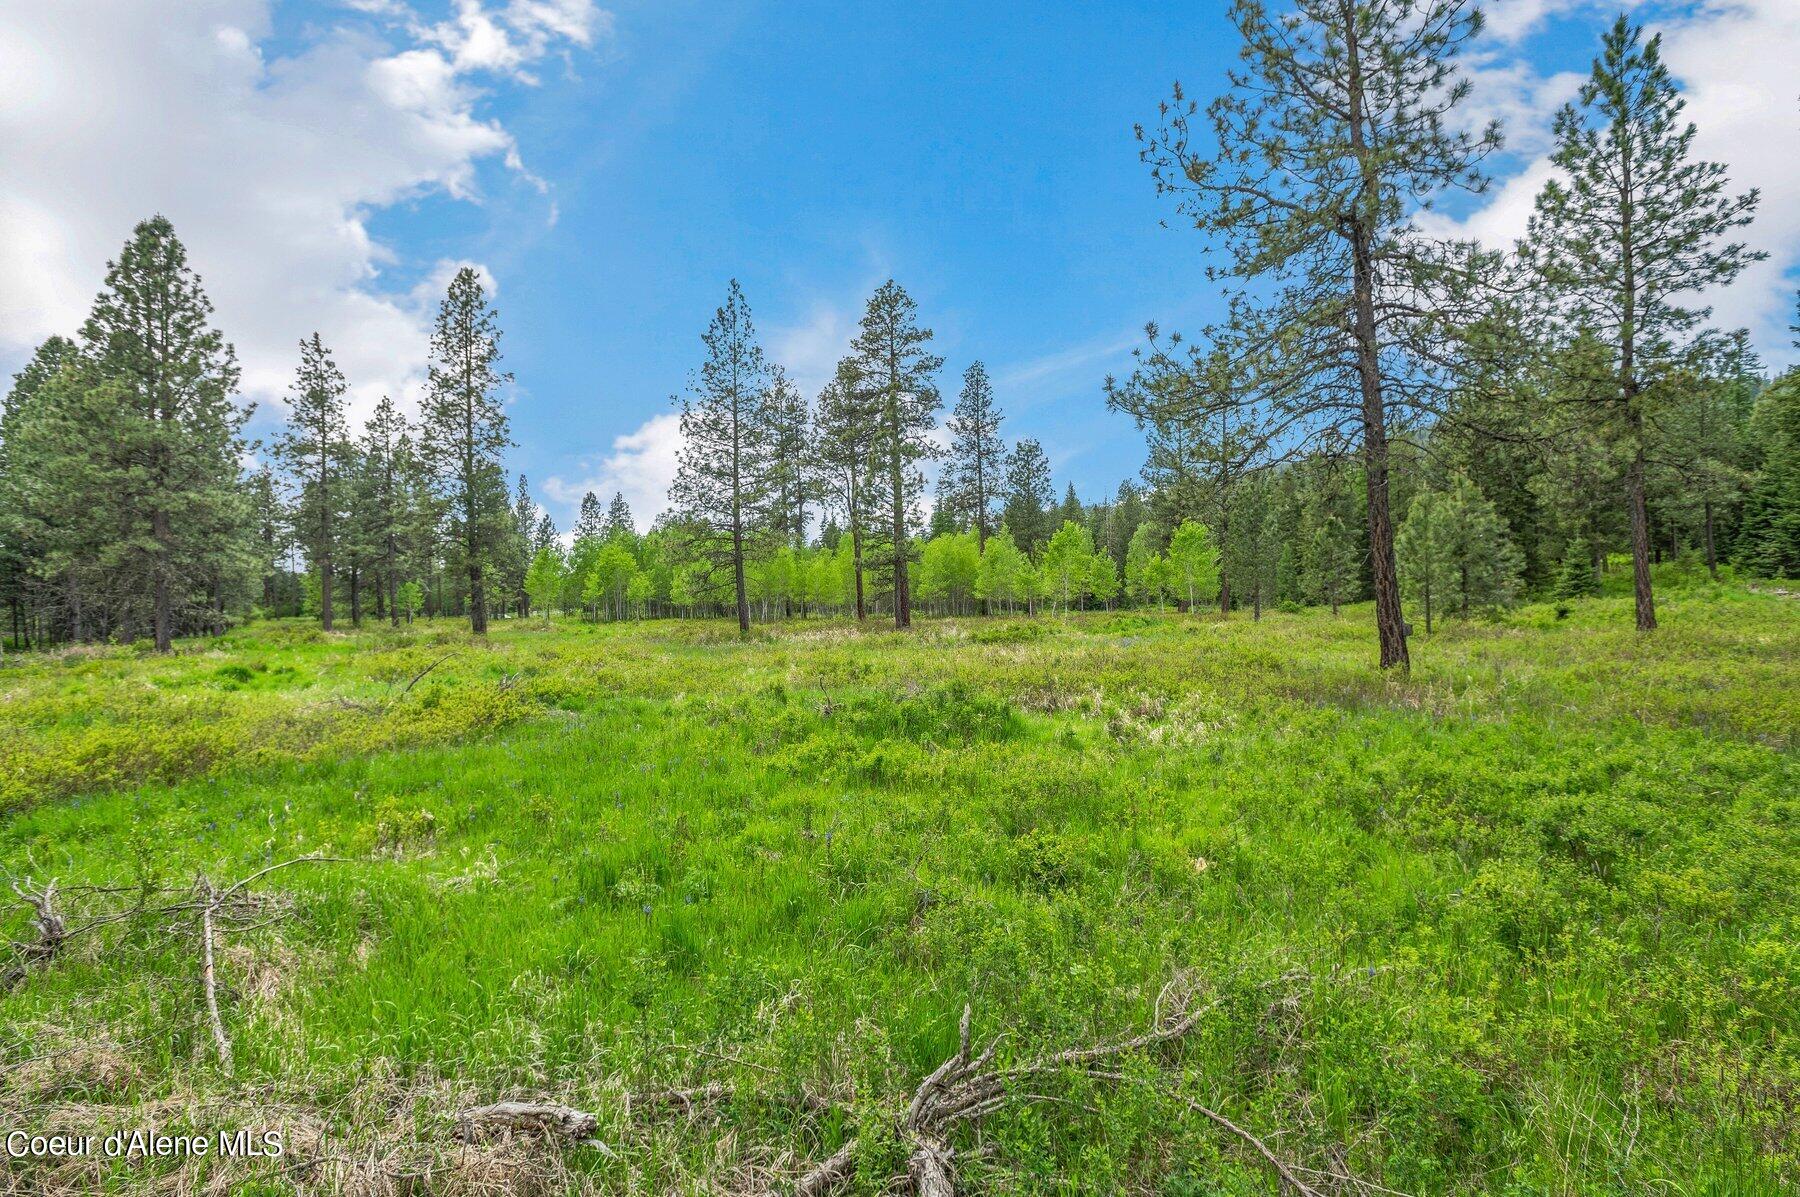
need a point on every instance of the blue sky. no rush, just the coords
(611, 168)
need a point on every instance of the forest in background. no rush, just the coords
(1382, 415)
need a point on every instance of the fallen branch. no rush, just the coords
(825, 1176)
(209, 977)
(52, 933)
(967, 1087)
(419, 677)
(547, 1119)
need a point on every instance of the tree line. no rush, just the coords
(1383, 414)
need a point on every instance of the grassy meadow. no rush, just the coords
(1525, 922)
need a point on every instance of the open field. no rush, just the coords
(1525, 922)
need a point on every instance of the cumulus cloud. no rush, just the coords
(270, 167)
(641, 466)
(1733, 59)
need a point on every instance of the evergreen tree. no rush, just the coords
(315, 448)
(618, 518)
(1027, 494)
(151, 426)
(1768, 539)
(590, 524)
(1632, 226)
(893, 355)
(1071, 511)
(463, 429)
(972, 475)
(791, 483)
(1576, 579)
(843, 451)
(726, 471)
(1341, 123)
(384, 439)
(1487, 563)
(18, 555)
(1427, 571)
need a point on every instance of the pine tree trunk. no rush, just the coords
(1640, 539)
(355, 595)
(163, 617)
(326, 573)
(1712, 557)
(1390, 625)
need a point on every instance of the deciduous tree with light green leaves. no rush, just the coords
(544, 579)
(1005, 573)
(1195, 562)
(1067, 566)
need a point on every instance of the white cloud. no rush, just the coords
(1042, 373)
(270, 168)
(641, 466)
(810, 350)
(1734, 60)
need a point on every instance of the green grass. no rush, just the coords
(1543, 893)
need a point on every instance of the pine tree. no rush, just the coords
(590, 524)
(1070, 511)
(1576, 578)
(618, 518)
(384, 439)
(972, 474)
(724, 481)
(463, 429)
(1341, 123)
(843, 455)
(162, 440)
(893, 354)
(315, 448)
(791, 484)
(1427, 572)
(1768, 539)
(1027, 494)
(1487, 563)
(1632, 226)
(18, 556)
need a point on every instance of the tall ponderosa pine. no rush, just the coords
(315, 450)
(973, 472)
(898, 369)
(843, 455)
(723, 483)
(1632, 226)
(463, 429)
(1339, 124)
(158, 436)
